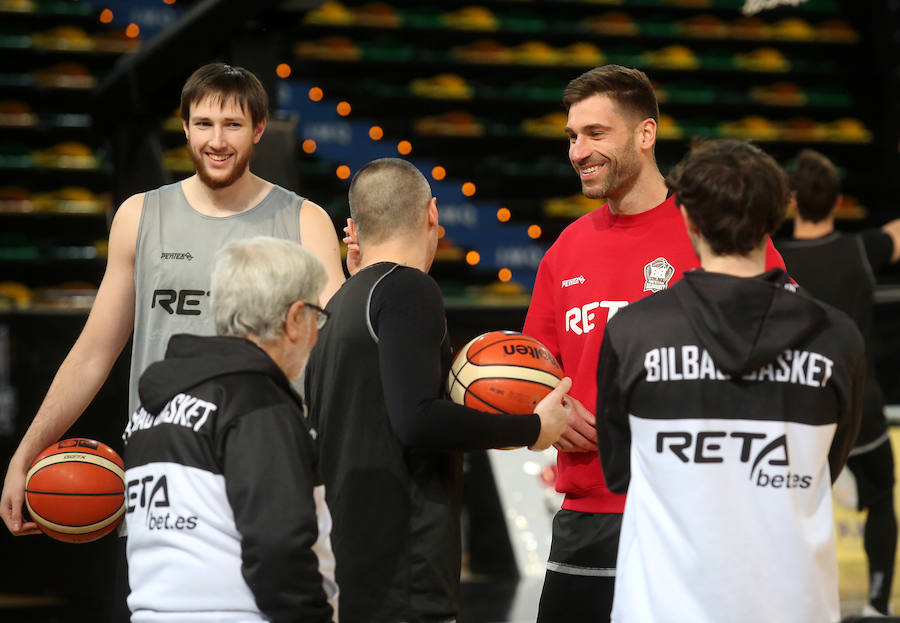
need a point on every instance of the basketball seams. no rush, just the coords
(470, 394)
(87, 537)
(66, 457)
(464, 361)
(513, 365)
(78, 529)
(458, 364)
(73, 495)
(454, 390)
(453, 384)
(483, 379)
(504, 372)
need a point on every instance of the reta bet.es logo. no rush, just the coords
(765, 456)
(151, 493)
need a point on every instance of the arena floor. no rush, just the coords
(851, 558)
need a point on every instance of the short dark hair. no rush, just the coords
(734, 192)
(629, 88)
(388, 197)
(226, 82)
(816, 183)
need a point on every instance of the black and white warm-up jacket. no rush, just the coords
(226, 513)
(726, 408)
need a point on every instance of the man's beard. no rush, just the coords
(620, 175)
(200, 165)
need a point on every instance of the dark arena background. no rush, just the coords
(469, 92)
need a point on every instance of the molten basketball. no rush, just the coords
(503, 372)
(75, 490)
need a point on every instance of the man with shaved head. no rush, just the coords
(391, 447)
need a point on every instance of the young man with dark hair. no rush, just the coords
(840, 270)
(726, 407)
(161, 248)
(815, 185)
(391, 446)
(632, 245)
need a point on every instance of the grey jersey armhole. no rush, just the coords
(369, 302)
(300, 200)
(139, 238)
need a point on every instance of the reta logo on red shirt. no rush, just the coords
(580, 320)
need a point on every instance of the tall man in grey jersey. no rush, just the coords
(161, 245)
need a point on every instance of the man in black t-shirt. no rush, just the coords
(391, 447)
(840, 269)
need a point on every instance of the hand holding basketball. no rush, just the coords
(13, 500)
(502, 372)
(554, 410)
(75, 490)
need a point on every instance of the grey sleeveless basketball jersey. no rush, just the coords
(173, 263)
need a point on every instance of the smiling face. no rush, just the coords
(603, 147)
(221, 136)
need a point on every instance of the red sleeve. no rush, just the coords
(773, 257)
(540, 321)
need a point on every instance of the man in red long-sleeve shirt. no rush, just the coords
(633, 245)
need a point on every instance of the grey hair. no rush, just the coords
(254, 282)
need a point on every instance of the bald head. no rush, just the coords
(389, 198)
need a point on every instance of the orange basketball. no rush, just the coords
(503, 372)
(75, 490)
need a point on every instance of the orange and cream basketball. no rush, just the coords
(75, 490)
(503, 372)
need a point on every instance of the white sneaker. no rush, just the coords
(870, 611)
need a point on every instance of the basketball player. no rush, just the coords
(391, 447)
(727, 406)
(632, 245)
(840, 270)
(161, 246)
(221, 437)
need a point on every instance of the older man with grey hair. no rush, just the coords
(226, 513)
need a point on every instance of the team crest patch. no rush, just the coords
(657, 275)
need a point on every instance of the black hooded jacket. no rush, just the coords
(726, 407)
(757, 333)
(225, 509)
